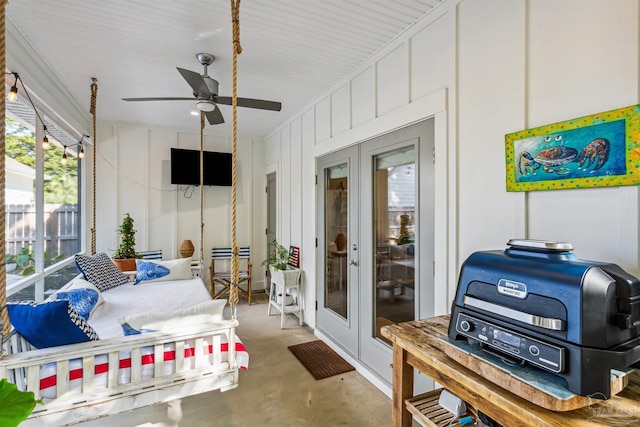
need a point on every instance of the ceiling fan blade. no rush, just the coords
(166, 98)
(214, 117)
(196, 82)
(260, 104)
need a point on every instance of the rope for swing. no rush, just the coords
(202, 191)
(235, 259)
(94, 98)
(4, 314)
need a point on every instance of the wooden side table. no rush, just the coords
(416, 345)
(284, 282)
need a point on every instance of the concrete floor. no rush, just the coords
(276, 390)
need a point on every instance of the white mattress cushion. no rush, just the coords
(130, 299)
(205, 312)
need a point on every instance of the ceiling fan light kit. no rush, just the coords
(205, 105)
(205, 93)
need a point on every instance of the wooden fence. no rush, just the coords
(61, 229)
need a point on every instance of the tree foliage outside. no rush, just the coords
(61, 183)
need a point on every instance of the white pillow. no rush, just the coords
(205, 312)
(179, 269)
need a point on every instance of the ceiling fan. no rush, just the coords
(205, 91)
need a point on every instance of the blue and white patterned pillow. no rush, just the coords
(178, 269)
(147, 270)
(100, 270)
(50, 323)
(83, 300)
(82, 292)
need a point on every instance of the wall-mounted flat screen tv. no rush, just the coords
(185, 167)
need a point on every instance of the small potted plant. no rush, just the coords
(125, 256)
(281, 272)
(278, 258)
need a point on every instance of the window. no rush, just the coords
(394, 211)
(42, 203)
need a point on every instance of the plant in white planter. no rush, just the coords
(280, 271)
(278, 258)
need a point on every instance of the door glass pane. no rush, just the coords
(336, 232)
(394, 212)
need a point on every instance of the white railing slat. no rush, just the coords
(114, 366)
(136, 364)
(62, 380)
(88, 371)
(180, 356)
(158, 360)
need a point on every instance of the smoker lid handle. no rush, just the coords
(546, 245)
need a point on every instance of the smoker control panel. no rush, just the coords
(514, 344)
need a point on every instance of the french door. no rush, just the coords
(338, 254)
(375, 240)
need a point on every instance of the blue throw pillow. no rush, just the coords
(100, 270)
(49, 324)
(147, 270)
(83, 300)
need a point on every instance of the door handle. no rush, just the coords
(353, 262)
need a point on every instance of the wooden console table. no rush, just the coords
(416, 345)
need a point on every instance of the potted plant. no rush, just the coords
(278, 258)
(281, 272)
(125, 256)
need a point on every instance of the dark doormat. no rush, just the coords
(320, 360)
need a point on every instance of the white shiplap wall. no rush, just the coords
(134, 176)
(585, 74)
(500, 66)
(491, 102)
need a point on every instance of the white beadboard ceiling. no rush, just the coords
(293, 51)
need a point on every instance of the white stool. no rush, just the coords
(283, 283)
